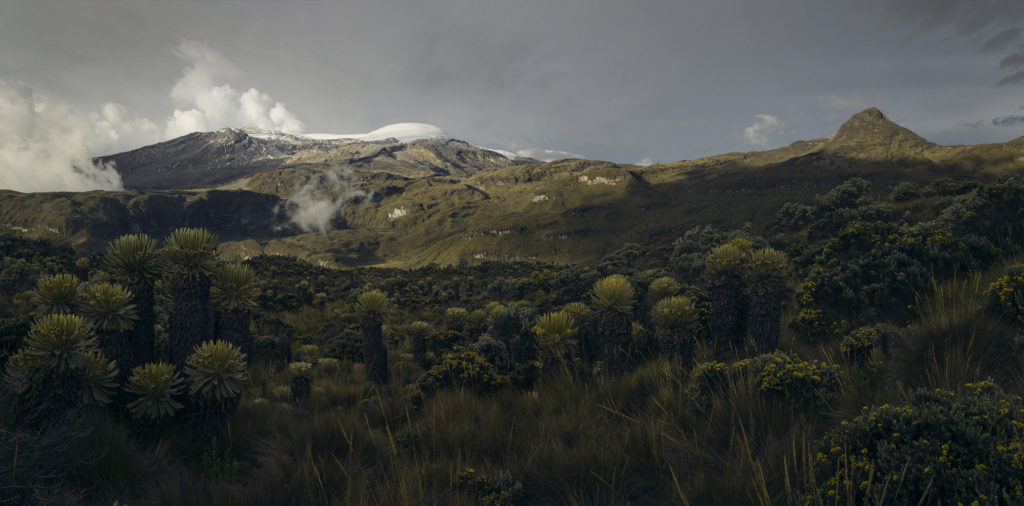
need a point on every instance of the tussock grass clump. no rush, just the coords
(955, 342)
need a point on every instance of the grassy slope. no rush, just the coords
(563, 212)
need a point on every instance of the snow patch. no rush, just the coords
(539, 198)
(404, 132)
(590, 181)
(396, 213)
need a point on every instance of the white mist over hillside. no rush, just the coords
(319, 199)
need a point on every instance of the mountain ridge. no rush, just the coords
(208, 159)
(444, 201)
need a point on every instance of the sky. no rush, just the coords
(639, 81)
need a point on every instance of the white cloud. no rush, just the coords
(404, 132)
(115, 131)
(206, 102)
(764, 124)
(645, 161)
(48, 146)
(544, 155)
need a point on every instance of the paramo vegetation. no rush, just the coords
(865, 347)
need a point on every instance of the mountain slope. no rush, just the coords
(208, 159)
(444, 201)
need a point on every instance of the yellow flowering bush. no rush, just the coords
(1006, 295)
(462, 367)
(941, 446)
(499, 489)
(804, 384)
(858, 345)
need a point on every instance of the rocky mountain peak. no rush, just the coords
(871, 126)
(870, 133)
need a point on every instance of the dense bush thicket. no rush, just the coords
(742, 366)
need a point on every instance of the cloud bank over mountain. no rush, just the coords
(209, 103)
(48, 146)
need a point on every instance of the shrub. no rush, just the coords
(462, 367)
(302, 379)
(675, 312)
(455, 319)
(494, 351)
(57, 343)
(99, 379)
(555, 336)
(216, 371)
(372, 303)
(807, 384)
(190, 250)
(497, 490)
(444, 340)
(308, 353)
(57, 293)
(857, 346)
(614, 293)
(155, 386)
(1006, 295)
(677, 322)
(663, 287)
(803, 384)
(941, 447)
(58, 367)
(345, 344)
(328, 365)
(219, 463)
(109, 306)
(707, 380)
(905, 191)
(235, 288)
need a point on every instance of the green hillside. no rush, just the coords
(562, 212)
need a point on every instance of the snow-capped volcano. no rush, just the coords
(401, 132)
(208, 159)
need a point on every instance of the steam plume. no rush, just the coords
(320, 198)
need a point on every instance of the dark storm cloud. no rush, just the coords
(994, 25)
(657, 80)
(1002, 40)
(1014, 60)
(988, 17)
(1008, 121)
(1015, 78)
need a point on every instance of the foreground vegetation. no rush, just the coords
(864, 348)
